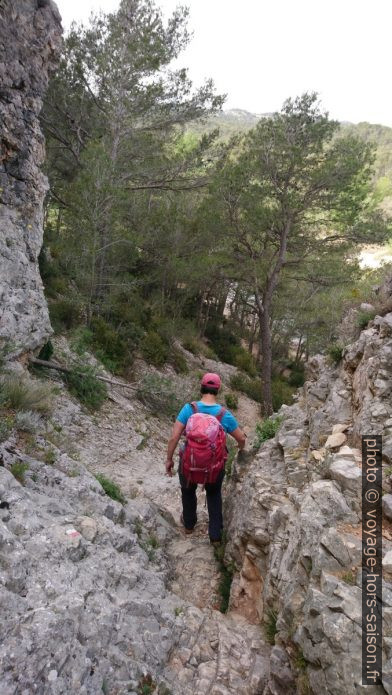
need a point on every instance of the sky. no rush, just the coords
(260, 52)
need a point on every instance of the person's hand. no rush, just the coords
(169, 467)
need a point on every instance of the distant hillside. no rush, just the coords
(235, 121)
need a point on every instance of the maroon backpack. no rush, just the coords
(205, 453)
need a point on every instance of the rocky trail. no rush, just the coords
(128, 445)
(112, 598)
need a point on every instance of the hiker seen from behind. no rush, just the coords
(203, 454)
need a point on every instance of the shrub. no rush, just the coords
(46, 351)
(282, 393)
(111, 489)
(364, 317)
(158, 395)
(18, 393)
(18, 470)
(297, 376)
(191, 344)
(82, 382)
(335, 352)
(178, 361)
(109, 345)
(6, 425)
(231, 400)
(251, 387)
(266, 430)
(50, 457)
(222, 342)
(154, 349)
(64, 313)
(28, 421)
(244, 360)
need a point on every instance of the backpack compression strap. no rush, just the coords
(221, 413)
(219, 416)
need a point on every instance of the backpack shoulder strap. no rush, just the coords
(221, 413)
(194, 407)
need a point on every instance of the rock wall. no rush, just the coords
(30, 42)
(294, 524)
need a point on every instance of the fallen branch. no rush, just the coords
(60, 368)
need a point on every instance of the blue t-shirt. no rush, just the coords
(229, 423)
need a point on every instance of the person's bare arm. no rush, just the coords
(177, 431)
(240, 437)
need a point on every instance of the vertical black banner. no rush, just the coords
(371, 560)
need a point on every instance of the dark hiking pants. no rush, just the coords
(214, 504)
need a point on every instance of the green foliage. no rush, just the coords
(244, 360)
(109, 345)
(82, 382)
(153, 541)
(18, 470)
(158, 395)
(251, 387)
(226, 345)
(230, 459)
(6, 426)
(231, 400)
(64, 314)
(191, 344)
(46, 351)
(111, 488)
(299, 660)
(297, 376)
(177, 359)
(270, 627)
(349, 577)
(266, 430)
(50, 457)
(5, 350)
(364, 317)
(335, 353)
(146, 685)
(154, 349)
(18, 393)
(282, 393)
(226, 575)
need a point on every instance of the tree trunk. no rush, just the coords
(266, 365)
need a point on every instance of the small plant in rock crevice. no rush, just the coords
(232, 449)
(349, 578)
(270, 621)
(266, 430)
(146, 685)
(18, 470)
(335, 353)
(226, 575)
(111, 488)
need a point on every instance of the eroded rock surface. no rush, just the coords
(30, 40)
(294, 524)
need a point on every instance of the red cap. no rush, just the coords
(211, 380)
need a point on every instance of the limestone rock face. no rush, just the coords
(294, 520)
(30, 42)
